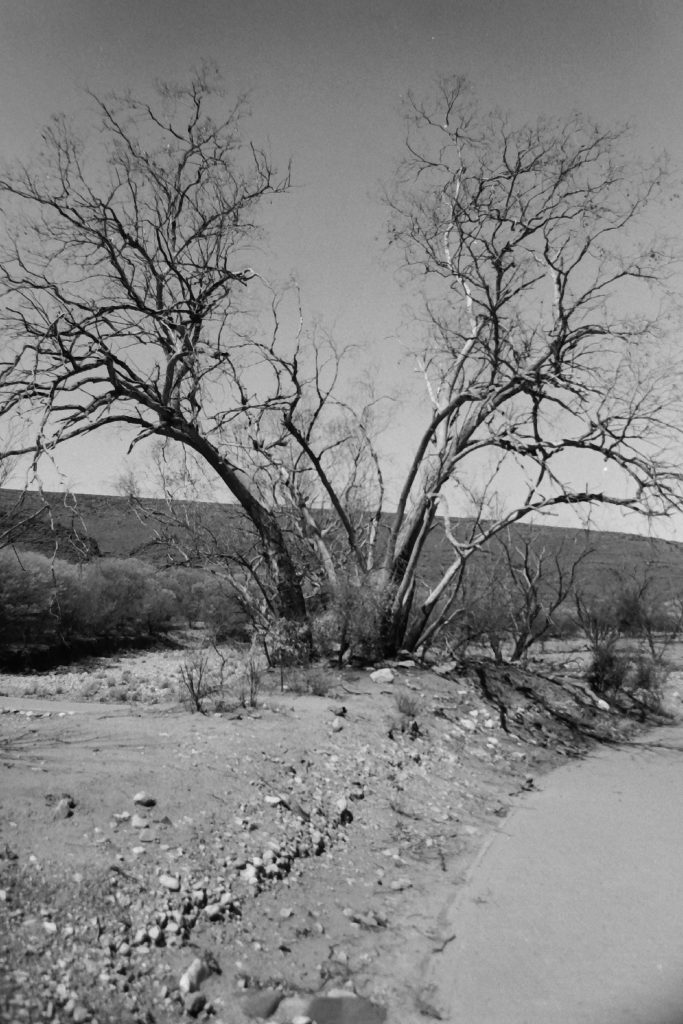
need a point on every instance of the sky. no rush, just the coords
(327, 81)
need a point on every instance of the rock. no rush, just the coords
(170, 882)
(194, 1003)
(64, 808)
(214, 911)
(383, 676)
(144, 799)
(299, 811)
(337, 724)
(80, 1014)
(198, 971)
(293, 1008)
(273, 801)
(139, 821)
(286, 912)
(399, 884)
(261, 1004)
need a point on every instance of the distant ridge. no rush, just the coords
(78, 525)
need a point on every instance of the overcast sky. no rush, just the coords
(327, 79)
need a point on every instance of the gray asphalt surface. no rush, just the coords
(574, 912)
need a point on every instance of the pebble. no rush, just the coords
(194, 1003)
(144, 799)
(196, 973)
(399, 884)
(169, 882)
(64, 808)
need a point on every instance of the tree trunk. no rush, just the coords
(291, 603)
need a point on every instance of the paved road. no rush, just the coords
(574, 912)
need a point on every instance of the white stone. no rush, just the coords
(383, 676)
(169, 882)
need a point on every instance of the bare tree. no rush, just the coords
(127, 300)
(125, 291)
(543, 325)
(541, 578)
(648, 606)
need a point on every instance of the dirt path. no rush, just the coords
(574, 911)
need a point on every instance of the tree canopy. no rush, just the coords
(128, 298)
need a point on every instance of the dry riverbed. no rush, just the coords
(290, 861)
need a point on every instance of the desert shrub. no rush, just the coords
(607, 670)
(26, 598)
(308, 680)
(319, 684)
(49, 605)
(407, 703)
(250, 684)
(285, 642)
(197, 680)
(349, 623)
(646, 681)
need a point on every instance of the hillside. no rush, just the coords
(83, 525)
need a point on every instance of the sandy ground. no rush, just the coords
(309, 844)
(574, 912)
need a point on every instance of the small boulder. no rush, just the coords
(261, 1004)
(198, 971)
(194, 1003)
(383, 676)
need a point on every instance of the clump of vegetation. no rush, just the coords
(250, 685)
(54, 608)
(607, 671)
(198, 681)
(408, 704)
